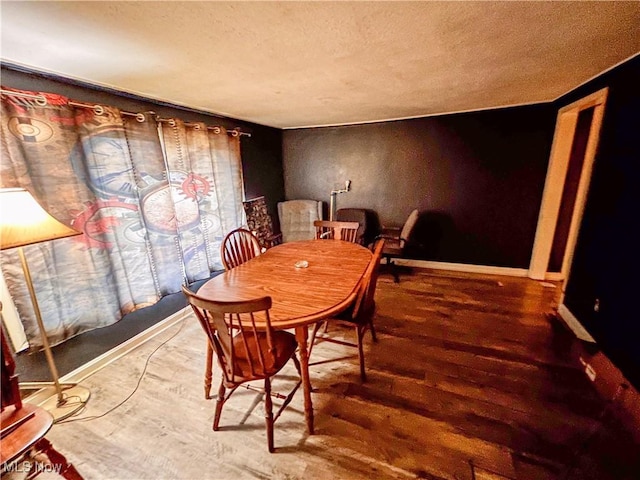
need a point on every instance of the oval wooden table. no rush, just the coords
(301, 296)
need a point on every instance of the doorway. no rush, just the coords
(575, 142)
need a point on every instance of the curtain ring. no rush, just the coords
(216, 130)
(41, 100)
(234, 132)
(196, 126)
(98, 109)
(172, 123)
(140, 117)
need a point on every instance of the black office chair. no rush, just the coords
(396, 242)
(369, 228)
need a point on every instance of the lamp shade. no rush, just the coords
(24, 222)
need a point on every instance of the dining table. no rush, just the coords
(308, 282)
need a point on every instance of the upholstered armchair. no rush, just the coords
(297, 217)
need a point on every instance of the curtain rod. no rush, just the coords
(99, 109)
(235, 132)
(41, 100)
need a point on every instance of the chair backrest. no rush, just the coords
(368, 220)
(237, 247)
(244, 349)
(297, 217)
(365, 304)
(347, 231)
(405, 233)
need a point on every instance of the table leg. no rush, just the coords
(302, 335)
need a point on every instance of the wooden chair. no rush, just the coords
(361, 313)
(246, 351)
(347, 231)
(24, 427)
(239, 246)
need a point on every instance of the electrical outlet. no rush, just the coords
(588, 369)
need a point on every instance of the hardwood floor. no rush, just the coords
(469, 379)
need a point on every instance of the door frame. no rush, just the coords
(563, 137)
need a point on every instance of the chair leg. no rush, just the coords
(268, 413)
(393, 268)
(208, 373)
(57, 460)
(360, 333)
(316, 327)
(296, 362)
(373, 331)
(219, 403)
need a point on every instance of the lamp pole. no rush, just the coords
(334, 194)
(25, 222)
(43, 335)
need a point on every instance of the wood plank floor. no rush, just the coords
(469, 379)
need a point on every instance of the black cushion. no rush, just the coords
(368, 220)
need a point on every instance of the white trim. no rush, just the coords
(98, 363)
(143, 96)
(552, 194)
(424, 115)
(471, 110)
(628, 59)
(554, 276)
(464, 267)
(585, 177)
(573, 323)
(559, 157)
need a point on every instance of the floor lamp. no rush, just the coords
(24, 222)
(334, 194)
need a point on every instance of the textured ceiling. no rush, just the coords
(295, 64)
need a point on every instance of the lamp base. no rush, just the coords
(74, 398)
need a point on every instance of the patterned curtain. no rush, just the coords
(152, 219)
(206, 187)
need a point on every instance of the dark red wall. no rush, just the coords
(477, 177)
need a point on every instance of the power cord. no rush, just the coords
(144, 370)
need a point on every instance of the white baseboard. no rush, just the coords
(91, 367)
(463, 267)
(554, 276)
(573, 323)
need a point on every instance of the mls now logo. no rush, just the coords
(32, 468)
